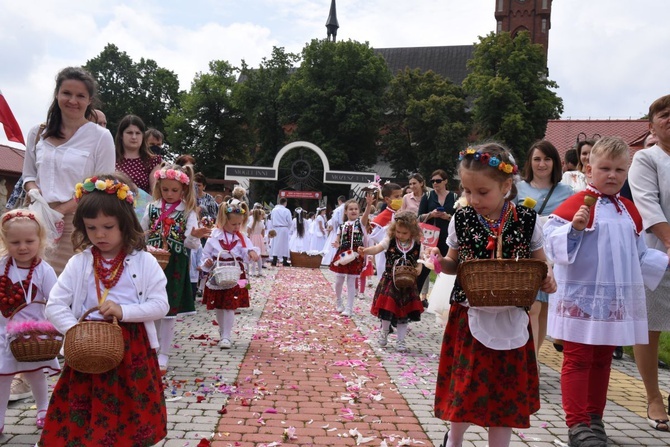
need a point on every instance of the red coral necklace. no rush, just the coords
(109, 276)
(6, 297)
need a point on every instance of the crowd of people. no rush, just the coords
(601, 229)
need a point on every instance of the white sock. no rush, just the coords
(402, 331)
(38, 385)
(386, 326)
(5, 390)
(500, 436)
(165, 329)
(226, 322)
(456, 432)
(351, 291)
(339, 285)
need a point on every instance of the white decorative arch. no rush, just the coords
(243, 174)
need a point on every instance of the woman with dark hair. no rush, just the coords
(436, 209)
(412, 200)
(66, 149)
(577, 179)
(542, 183)
(133, 157)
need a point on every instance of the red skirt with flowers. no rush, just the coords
(124, 406)
(392, 304)
(483, 386)
(229, 299)
(353, 268)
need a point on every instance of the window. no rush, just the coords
(545, 4)
(544, 25)
(500, 5)
(499, 27)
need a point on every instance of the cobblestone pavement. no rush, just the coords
(295, 363)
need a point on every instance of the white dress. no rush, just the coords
(296, 242)
(44, 279)
(318, 234)
(335, 221)
(601, 273)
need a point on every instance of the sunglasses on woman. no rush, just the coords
(436, 180)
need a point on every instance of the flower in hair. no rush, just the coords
(494, 161)
(235, 206)
(110, 186)
(488, 159)
(172, 174)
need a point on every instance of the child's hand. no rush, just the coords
(201, 232)
(581, 218)
(253, 255)
(110, 309)
(336, 243)
(361, 251)
(209, 263)
(549, 283)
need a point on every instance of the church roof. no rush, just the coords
(447, 61)
(564, 133)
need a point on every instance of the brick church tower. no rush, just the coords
(533, 16)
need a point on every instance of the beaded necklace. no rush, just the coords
(495, 227)
(108, 276)
(20, 296)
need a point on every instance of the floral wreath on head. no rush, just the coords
(488, 159)
(234, 206)
(172, 174)
(110, 186)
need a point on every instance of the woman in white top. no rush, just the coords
(67, 149)
(577, 179)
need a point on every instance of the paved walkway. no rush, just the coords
(300, 375)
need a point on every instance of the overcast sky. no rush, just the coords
(609, 57)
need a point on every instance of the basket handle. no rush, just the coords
(499, 251)
(218, 257)
(93, 309)
(24, 305)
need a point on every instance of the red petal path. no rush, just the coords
(311, 369)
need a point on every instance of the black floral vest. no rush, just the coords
(394, 253)
(473, 237)
(176, 234)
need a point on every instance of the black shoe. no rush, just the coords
(662, 364)
(425, 304)
(558, 347)
(446, 439)
(618, 353)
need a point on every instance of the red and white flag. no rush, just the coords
(12, 129)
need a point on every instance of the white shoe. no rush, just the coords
(400, 346)
(383, 340)
(225, 343)
(340, 307)
(346, 313)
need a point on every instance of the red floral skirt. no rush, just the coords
(353, 268)
(229, 299)
(393, 304)
(483, 386)
(122, 407)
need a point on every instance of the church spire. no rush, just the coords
(331, 23)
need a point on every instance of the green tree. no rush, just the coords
(143, 89)
(426, 123)
(335, 101)
(512, 94)
(257, 96)
(207, 125)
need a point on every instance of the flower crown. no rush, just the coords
(491, 160)
(235, 206)
(110, 186)
(172, 174)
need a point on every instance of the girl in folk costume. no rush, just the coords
(256, 233)
(171, 222)
(319, 230)
(402, 245)
(26, 278)
(347, 264)
(298, 232)
(124, 406)
(473, 386)
(226, 243)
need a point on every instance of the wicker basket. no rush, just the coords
(404, 275)
(162, 254)
(501, 282)
(305, 260)
(36, 345)
(225, 275)
(94, 347)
